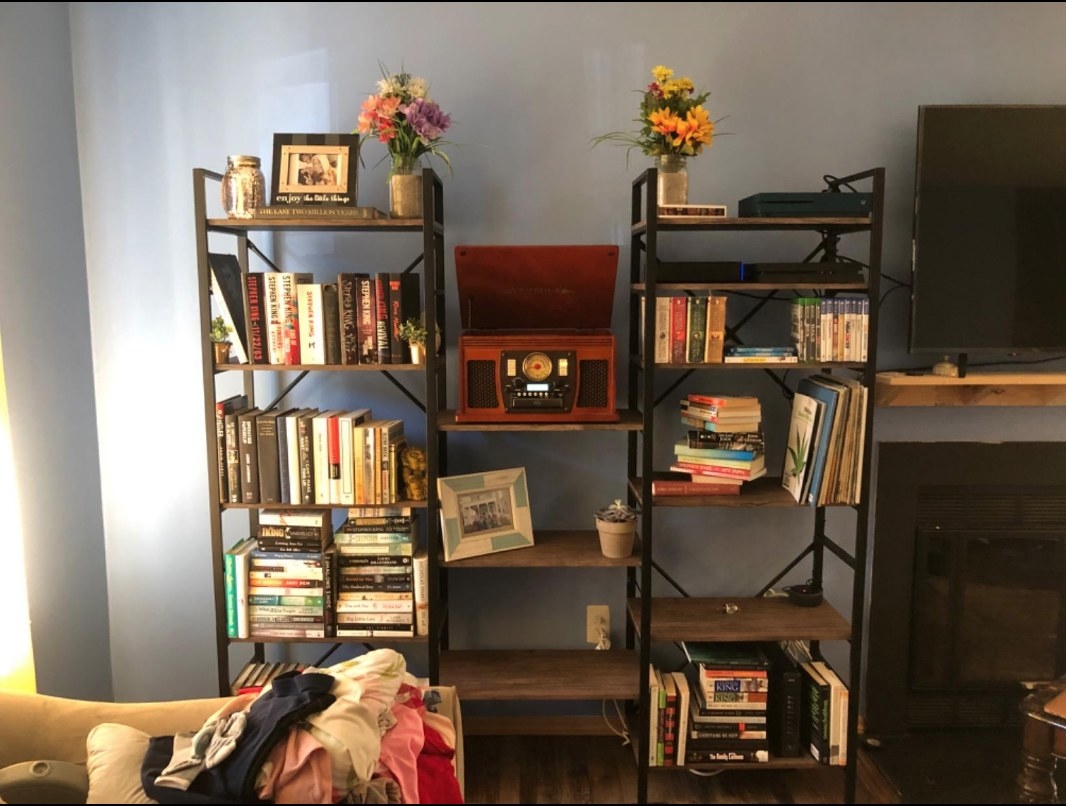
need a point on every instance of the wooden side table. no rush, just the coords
(1043, 742)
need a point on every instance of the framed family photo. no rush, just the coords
(482, 513)
(315, 169)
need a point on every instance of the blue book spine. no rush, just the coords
(829, 397)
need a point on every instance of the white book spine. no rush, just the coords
(421, 586)
(309, 321)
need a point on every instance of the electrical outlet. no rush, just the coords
(598, 616)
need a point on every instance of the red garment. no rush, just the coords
(436, 775)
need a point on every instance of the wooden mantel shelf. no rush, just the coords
(976, 389)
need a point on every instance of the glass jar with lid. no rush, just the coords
(243, 186)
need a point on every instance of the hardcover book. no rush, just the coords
(795, 476)
(227, 287)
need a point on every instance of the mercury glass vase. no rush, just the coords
(672, 179)
(405, 188)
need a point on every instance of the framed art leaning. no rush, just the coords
(482, 513)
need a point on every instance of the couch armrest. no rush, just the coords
(38, 726)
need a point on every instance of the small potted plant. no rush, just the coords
(617, 525)
(414, 333)
(220, 339)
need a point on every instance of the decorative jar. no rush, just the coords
(243, 186)
(672, 179)
(405, 188)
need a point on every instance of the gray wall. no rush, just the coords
(161, 88)
(48, 363)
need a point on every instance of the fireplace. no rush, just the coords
(968, 588)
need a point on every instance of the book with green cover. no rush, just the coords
(725, 654)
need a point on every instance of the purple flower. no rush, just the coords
(426, 118)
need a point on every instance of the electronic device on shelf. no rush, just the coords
(798, 205)
(536, 344)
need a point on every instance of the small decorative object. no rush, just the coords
(220, 339)
(243, 186)
(403, 116)
(808, 595)
(617, 525)
(414, 333)
(674, 125)
(413, 470)
(482, 513)
(315, 170)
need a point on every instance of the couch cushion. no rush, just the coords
(115, 753)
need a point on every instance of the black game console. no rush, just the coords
(801, 205)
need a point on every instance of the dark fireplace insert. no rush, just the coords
(968, 588)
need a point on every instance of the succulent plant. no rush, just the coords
(617, 512)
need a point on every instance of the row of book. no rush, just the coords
(688, 329)
(740, 702)
(306, 456)
(298, 578)
(826, 445)
(287, 318)
(831, 328)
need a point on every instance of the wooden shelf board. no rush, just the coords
(759, 619)
(638, 288)
(305, 223)
(764, 492)
(421, 503)
(320, 367)
(976, 389)
(801, 366)
(541, 674)
(629, 420)
(570, 548)
(703, 223)
(806, 761)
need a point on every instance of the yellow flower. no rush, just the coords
(686, 85)
(662, 73)
(694, 132)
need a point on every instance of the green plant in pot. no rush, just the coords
(414, 333)
(617, 526)
(219, 335)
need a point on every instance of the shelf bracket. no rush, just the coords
(408, 393)
(785, 570)
(288, 388)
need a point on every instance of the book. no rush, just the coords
(654, 683)
(670, 719)
(241, 558)
(367, 320)
(382, 339)
(681, 483)
(731, 427)
(662, 330)
(838, 714)
(318, 211)
(748, 441)
(678, 329)
(801, 433)
(268, 457)
(310, 324)
(233, 454)
(683, 699)
(829, 393)
(331, 323)
(274, 318)
(730, 655)
(227, 289)
(696, 335)
(723, 402)
(290, 313)
(716, 329)
(222, 408)
(404, 304)
(717, 756)
(421, 592)
(682, 448)
(305, 448)
(249, 455)
(814, 726)
(256, 326)
(760, 359)
(785, 702)
(348, 305)
(722, 467)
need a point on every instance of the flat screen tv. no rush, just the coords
(989, 249)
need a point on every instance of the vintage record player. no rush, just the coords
(536, 344)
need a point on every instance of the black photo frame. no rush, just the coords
(319, 170)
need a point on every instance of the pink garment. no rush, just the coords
(402, 744)
(298, 770)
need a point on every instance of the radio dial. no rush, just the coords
(536, 366)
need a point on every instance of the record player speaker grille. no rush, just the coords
(595, 379)
(481, 385)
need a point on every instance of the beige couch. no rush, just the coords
(38, 727)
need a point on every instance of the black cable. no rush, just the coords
(833, 182)
(894, 288)
(983, 364)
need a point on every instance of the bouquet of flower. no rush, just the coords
(672, 118)
(403, 117)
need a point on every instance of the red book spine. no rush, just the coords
(678, 326)
(333, 447)
(713, 470)
(692, 488)
(257, 348)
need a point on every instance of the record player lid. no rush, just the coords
(536, 287)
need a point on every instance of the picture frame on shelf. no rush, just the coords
(317, 170)
(483, 513)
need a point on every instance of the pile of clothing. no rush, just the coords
(357, 732)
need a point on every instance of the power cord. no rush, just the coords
(605, 640)
(623, 732)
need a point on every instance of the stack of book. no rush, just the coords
(380, 576)
(825, 698)
(730, 687)
(736, 354)
(688, 329)
(831, 329)
(276, 580)
(725, 449)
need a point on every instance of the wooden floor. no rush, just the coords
(599, 769)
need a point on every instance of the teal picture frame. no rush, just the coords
(483, 513)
